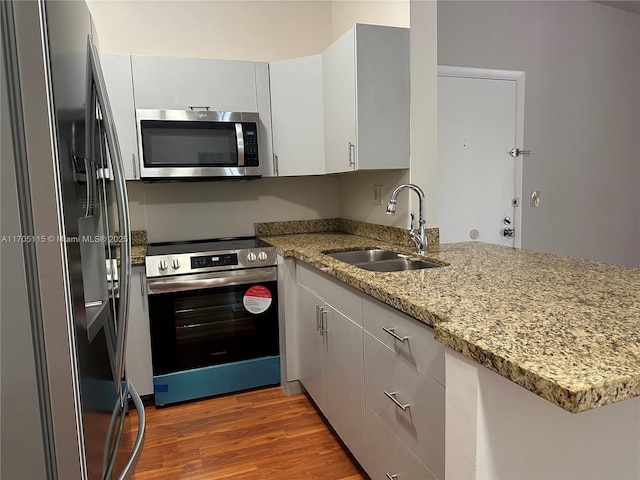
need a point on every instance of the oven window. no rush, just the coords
(210, 327)
(188, 144)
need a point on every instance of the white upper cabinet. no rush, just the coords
(179, 83)
(297, 116)
(117, 76)
(366, 99)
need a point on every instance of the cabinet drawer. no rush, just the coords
(339, 295)
(418, 348)
(388, 456)
(421, 424)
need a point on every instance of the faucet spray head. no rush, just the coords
(391, 207)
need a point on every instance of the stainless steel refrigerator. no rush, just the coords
(66, 255)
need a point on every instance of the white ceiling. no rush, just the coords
(628, 5)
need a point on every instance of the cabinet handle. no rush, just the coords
(392, 397)
(392, 332)
(323, 321)
(392, 477)
(352, 147)
(276, 167)
(197, 107)
(136, 168)
(317, 318)
(142, 289)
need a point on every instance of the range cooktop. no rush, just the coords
(199, 256)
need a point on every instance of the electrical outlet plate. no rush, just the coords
(377, 194)
(535, 198)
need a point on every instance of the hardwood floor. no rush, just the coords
(261, 434)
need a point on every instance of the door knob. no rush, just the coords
(508, 232)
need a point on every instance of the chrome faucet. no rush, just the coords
(419, 237)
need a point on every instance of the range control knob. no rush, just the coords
(251, 257)
(175, 263)
(262, 256)
(162, 265)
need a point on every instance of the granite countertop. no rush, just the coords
(138, 247)
(565, 329)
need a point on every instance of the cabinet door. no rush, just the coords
(296, 116)
(119, 81)
(366, 99)
(175, 83)
(339, 91)
(138, 350)
(265, 134)
(345, 380)
(312, 348)
(383, 97)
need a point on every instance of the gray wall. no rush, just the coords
(582, 114)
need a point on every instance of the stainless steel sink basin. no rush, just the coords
(397, 265)
(355, 257)
(379, 260)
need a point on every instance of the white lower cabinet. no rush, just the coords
(138, 349)
(408, 401)
(332, 358)
(387, 457)
(345, 377)
(312, 368)
(384, 395)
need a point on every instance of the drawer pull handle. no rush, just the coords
(392, 477)
(392, 397)
(323, 321)
(392, 332)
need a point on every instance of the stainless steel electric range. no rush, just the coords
(213, 309)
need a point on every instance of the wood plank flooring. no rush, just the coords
(261, 434)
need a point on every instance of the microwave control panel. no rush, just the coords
(250, 131)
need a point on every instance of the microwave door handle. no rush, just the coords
(122, 205)
(240, 144)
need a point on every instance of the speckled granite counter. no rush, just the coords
(565, 329)
(138, 247)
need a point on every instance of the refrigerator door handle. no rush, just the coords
(132, 461)
(122, 204)
(113, 441)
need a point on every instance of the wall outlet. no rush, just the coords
(534, 200)
(377, 194)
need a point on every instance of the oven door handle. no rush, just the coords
(210, 280)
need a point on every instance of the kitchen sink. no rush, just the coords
(355, 257)
(398, 264)
(380, 260)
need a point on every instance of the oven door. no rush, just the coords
(176, 144)
(211, 319)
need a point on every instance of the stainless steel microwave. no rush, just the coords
(197, 145)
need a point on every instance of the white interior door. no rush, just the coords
(479, 182)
